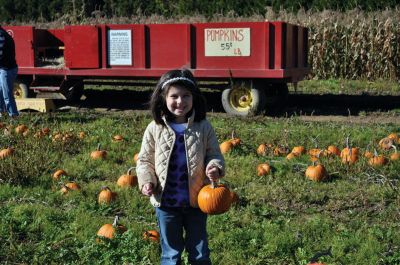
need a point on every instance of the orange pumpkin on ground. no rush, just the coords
(135, 157)
(152, 235)
(263, 169)
(386, 143)
(127, 180)
(109, 230)
(226, 147)
(9, 151)
(70, 186)
(106, 196)
(214, 199)
(98, 154)
(292, 155)
(57, 175)
(316, 173)
(262, 149)
(333, 150)
(298, 150)
(349, 155)
(118, 138)
(20, 129)
(377, 160)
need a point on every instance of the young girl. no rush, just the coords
(179, 155)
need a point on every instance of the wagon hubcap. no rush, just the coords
(17, 91)
(241, 99)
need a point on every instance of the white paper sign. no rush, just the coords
(120, 47)
(227, 42)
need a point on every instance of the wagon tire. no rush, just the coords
(276, 98)
(21, 90)
(243, 101)
(72, 90)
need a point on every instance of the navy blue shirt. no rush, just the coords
(176, 191)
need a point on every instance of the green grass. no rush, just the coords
(348, 87)
(282, 218)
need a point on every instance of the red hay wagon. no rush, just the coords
(257, 59)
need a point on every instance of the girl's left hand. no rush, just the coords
(212, 172)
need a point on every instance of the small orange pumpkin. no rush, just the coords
(9, 151)
(226, 147)
(263, 169)
(98, 154)
(395, 156)
(151, 235)
(386, 143)
(377, 160)
(299, 150)
(333, 150)
(262, 149)
(214, 199)
(81, 135)
(135, 157)
(109, 230)
(127, 180)
(292, 155)
(118, 138)
(316, 172)
(60, 172)
(21, 129)
(106, 196)
(69, 187)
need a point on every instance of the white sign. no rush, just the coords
(120, 47)
(227, 42)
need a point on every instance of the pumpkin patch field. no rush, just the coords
(300, 192)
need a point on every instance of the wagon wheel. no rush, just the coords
(21, 90)
(72, 90)
(276, 97)
(243, 99)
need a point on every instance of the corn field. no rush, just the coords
(351, 45)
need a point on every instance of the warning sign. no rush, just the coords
(227, 42)
(120, 47)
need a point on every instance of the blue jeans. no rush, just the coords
(7, 100)
(172, 221)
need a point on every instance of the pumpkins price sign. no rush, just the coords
(227, 41)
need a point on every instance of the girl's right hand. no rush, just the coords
(147, 189)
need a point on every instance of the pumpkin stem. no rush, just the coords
(105, 188)
(394, 147)
(314, 139)
(347, 141)
(129, 170)
(213, 184)
(116, 220)
(375, 152)
(98, 146)
(233, 134)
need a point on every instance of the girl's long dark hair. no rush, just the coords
(158, 104)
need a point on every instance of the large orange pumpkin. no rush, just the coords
(109, 230)
(127, 180)
(349, 155)
(214, 199)
(333, 150)
(316, 172)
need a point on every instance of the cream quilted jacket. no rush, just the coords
(202, 149)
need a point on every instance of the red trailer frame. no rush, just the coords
(258, 58)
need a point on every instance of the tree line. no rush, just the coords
(50, 10)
